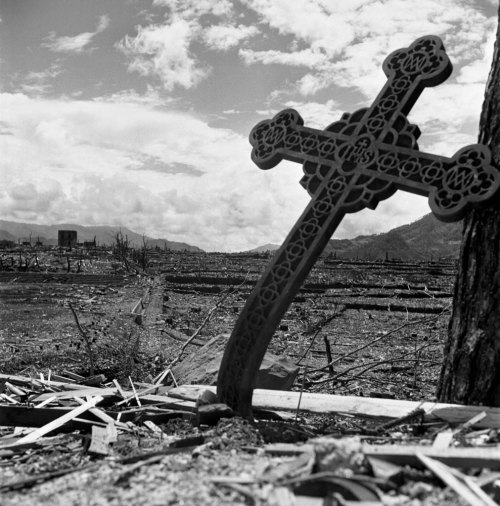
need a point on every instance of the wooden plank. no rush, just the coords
(99, 443)
(58, 422)
(460, 487)
(137, 395)
(190, 392)
(166, 401)
(119, 388)
(16, 390)
(22, 380)
(169, 402)
(80, 392)
(73, 375)
(100, 414)
(153, 427)
(24, 416)
(62, 379)
(362, 406)
(487, 457)
(402, 455)
(443, 439)
(45, 402)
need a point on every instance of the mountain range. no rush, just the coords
(424, 239)
(104, 235)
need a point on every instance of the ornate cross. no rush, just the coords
(354, 163)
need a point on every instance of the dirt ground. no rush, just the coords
(383, 323)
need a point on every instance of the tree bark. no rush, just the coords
(471, 367)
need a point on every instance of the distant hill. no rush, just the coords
(429, 236)
(265, 248)
(6, 236)
(47, 234)
(423, 239)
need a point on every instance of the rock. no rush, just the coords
(210, 414)
(276, 373)
(202, 367)
(206, 397)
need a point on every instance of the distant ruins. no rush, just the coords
(66, 238)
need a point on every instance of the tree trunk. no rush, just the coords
(471, 367)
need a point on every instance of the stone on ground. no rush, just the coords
(202, 367)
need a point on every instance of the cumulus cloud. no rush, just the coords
(448, 116)
(164, 172)
(76, 43)
(309, 21)
(27, 200)
(64, 44)
(163, 51)
(306, 57)
(103, 23)
(224, 37)
(190, 9)
(38, 83)
(315, 114)
(347, 42)
(402, 208)
(479, 67)
(137, 157)
(311, 83)
(150, 98)
(343, 44)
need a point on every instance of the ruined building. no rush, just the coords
(66, 238)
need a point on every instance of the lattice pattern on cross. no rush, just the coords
(353, 164)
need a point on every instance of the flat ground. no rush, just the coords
(404, 308)
(383, 322)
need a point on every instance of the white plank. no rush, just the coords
(27, 381)
(364, 406)
(33, 436)
(468, 457)
(460, 488)
(168, 402)
(443, 439)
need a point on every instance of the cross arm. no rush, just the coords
(285, 138)
(452, 184)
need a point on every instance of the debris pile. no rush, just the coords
(90, 440)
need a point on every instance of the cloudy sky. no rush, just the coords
(137, 112)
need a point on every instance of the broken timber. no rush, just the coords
(454, 457)
(402, 455)
(358, 406)
(353, 164)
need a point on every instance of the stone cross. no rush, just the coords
(354, 163)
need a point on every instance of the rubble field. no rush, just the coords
(94, 409)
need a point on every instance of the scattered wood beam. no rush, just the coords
(359, 406)
(469, 457)
(58, 422)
